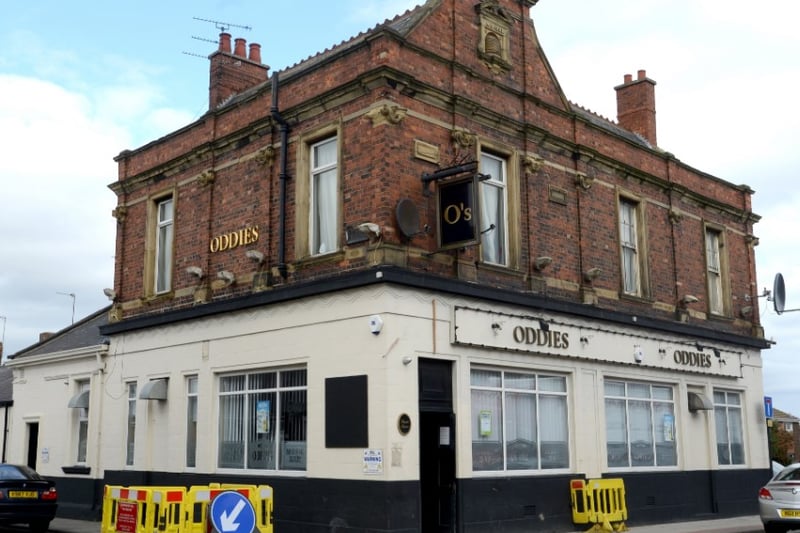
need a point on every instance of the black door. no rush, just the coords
(437, 447)
(33, 444)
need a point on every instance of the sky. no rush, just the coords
(82, 81)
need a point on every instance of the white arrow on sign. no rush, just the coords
(228, 521)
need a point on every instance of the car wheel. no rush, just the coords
(775, 528)
(39, 526)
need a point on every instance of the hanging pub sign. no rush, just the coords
(457, 213)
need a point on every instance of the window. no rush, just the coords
(131, 432)
(728, 422)
(164, 239)
(191, 421)
(640, 425)
(714, 272)
(324, 197)
(83, 425)
(262, 420)
(519, 421)
(632, 252)
(494, 210)
(788, 426)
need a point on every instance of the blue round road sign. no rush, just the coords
(231, 512)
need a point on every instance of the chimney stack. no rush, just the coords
(234, 72)
(636, 105)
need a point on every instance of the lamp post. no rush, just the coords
(3, 342)
(71, 295)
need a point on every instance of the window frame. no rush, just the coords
(654, 429)
(510, 186)
(275, 424)
(728, 408)
(502, 439)
(716, 271)
(192, 405)
(640, 287)
(303, 191)
(82, 425)
(130, 426)
(153, 251)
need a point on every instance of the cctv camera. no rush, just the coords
(369, 227)
(375, 324)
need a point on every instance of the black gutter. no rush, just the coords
(283, 176)
(422, 281)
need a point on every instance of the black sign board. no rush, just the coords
(458, 213)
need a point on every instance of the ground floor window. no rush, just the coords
(262, 420)
(519, 420)
(640, 424)
(728, 423)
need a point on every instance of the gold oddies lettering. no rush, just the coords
(686, 358)
(453, 214)
(540, 337)
(229, 241)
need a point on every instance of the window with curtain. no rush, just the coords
(728, 423)
(324, 197)
(191, 421)
(716, 301)
(519, 421)
(263, 420)
(164, 240)
(131, 426)
(640, 425)
(494, 210)
(629, 247)
(83, 425)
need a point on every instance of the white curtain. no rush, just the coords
(325, 227)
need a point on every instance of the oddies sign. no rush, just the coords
(234, 239)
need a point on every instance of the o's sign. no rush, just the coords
(458, 213)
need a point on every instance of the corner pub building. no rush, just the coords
(410, 285)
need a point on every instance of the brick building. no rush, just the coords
(411, 286)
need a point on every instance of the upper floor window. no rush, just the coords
(728, 423)
(494, 210)
(164, 240)
(715, 272)
(640, 424)
(262, 420)
(632, 252)
(323, 211)
(519, 421)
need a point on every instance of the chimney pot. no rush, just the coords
(225, 42)
(628, 78)
(239, 49)
(636, 106)
(255, 53)
(642, 74)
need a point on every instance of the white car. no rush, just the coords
(779, 501)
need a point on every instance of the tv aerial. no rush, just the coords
(779, 295)
(223, 27)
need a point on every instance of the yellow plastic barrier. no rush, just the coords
(600, 502)
(139, 509)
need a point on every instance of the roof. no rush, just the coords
(82, 334)
(783, 416)
(6, 386)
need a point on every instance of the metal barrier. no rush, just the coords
(600, 502)
(177, 509)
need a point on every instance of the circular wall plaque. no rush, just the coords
(404, 424)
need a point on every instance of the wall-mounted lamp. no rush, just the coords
(255, 255)
(638, 354)
(689, 299)
(195, 271)
(111, 294)
(407, 360)
(369, 228)
(227, 276)
(544, 326)
(540, 263)
(592, 274)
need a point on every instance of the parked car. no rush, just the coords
(779, 501)
(776, 468)
(26, 498)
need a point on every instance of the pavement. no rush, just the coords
(742, 524)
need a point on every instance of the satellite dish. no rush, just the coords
(779, 293)
(407, 218)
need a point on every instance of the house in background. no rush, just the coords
(787, 423)
(411, 286)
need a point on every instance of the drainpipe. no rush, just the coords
(284, 129)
